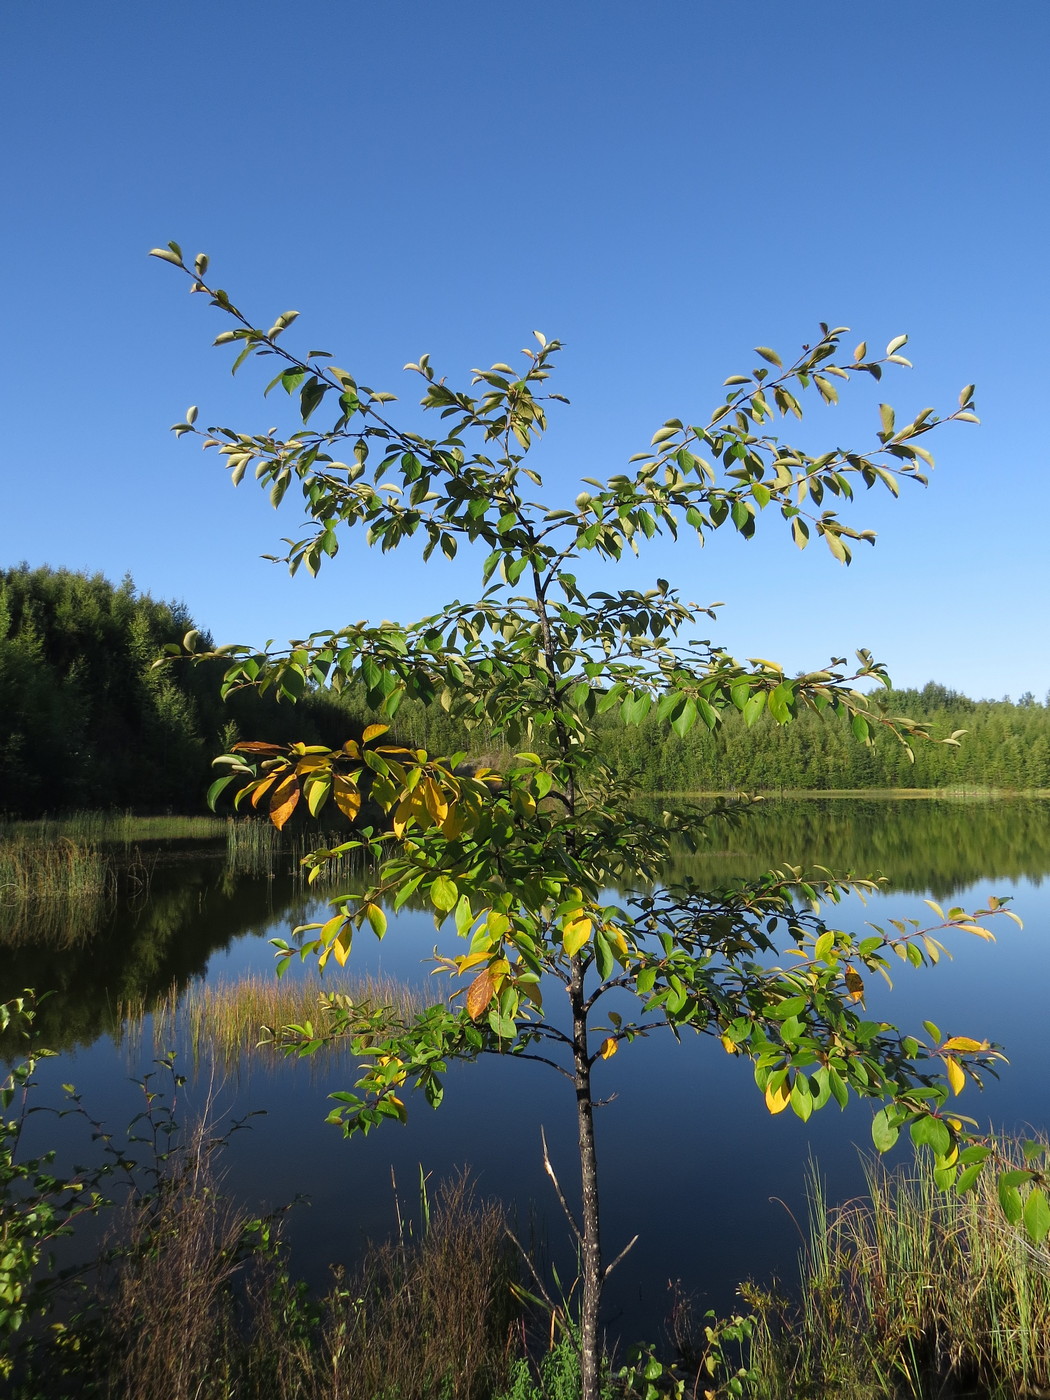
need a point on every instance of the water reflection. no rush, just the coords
(690, 1157)
(920, 845)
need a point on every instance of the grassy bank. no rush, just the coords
(193, 1300)
(910, 1293)
(946, 794)
(113, 829)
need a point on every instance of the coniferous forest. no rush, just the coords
(87, 721)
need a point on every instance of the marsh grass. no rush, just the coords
(58, 893)
(230, 1021)
(64, 869)
(910, 1292)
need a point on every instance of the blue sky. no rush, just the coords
(660, 185)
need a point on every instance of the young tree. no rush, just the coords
(523, 860)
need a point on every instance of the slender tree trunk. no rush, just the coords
(591, 1244)
(593, 1276)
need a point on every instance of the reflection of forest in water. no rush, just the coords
(920, 845)
(102, 961)
(99, 959)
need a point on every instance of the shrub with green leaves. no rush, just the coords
(525, 862)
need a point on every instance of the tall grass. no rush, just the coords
(64, 869)
(910, 1292)
(227, 1021)
(195, 1302)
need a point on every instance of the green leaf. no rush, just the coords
(376, 918)
(932, 1133)
(1037, 1215)
(219, 786)
(313, 392)
(444, 893)
(685, 719)
(1010, 1201)
(884, 1130)
(754, 707)
(781, 702)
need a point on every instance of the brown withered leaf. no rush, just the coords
(480, 993)
(854, 984)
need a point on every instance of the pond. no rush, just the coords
(690, 1158)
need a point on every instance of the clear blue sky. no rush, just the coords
(661, 185)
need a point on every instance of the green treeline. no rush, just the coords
(85, 720)
(1006, 745)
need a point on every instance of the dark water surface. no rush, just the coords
(690, 1159)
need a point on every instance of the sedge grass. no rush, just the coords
(64, 869)
(910, 1292)
(232, 1022)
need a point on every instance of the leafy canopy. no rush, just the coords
(547, 869)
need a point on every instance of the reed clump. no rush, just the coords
(33, 870)
(909, 1292)
(232, 1021)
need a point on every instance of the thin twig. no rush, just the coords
(558, 1191)
(532, 1270)
(622, 1255)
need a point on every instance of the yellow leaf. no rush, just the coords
(778, 1099)
(312, 762)
(616, 936)
(609, 1048)
(284, 801)
(729, 1046)
(263, 786)
(965, 1044)
(472, 960)
(373, 732)
(341, 946)
(403, 815)
(479, 994)
(435, 800)
(455, 823)
(331, 928)
(347, 797)
(956, 1078)
(977, 929)
(854, 984)
(576, 933)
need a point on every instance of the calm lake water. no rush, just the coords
(690, 1159)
